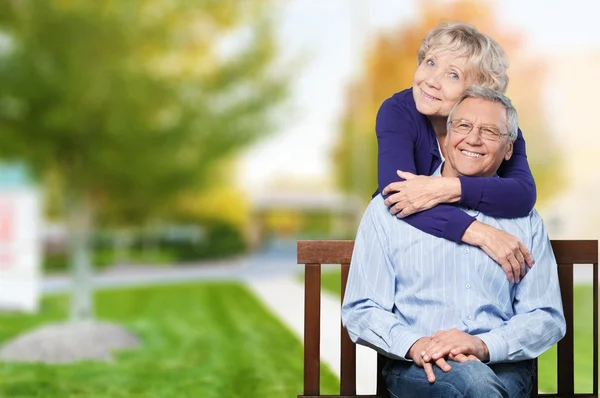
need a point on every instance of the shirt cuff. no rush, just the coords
(455, 228)
(471, 191)
(404, 341)
(497, 347)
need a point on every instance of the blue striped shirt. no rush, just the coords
(405, 284)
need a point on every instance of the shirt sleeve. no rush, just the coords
(367, 309)
(489, 195)
(538, 322)
(396, 140)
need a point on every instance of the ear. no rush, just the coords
(509, 151)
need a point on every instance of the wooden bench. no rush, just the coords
(314, 253)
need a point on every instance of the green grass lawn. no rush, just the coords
(330, 280)
(209, 340)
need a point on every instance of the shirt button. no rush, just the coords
(469, 317)
(468, 285)
(467, 251)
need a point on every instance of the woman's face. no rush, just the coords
(439, 82)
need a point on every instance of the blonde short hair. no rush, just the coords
(487, 59)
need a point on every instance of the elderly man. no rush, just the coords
(445, 313)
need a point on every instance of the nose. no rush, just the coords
(433, 80)
(474, 137)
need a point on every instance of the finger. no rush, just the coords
(516, 268)
(393, 199)
(407, 211)
(507, 270)
(473, 358)
(520, 259)
(440, 352)
(439, 349)
(392, 187)
(460, 350)
(459, 357)
(526, 255)
(405, 175)
(442, 364)
(428, 368)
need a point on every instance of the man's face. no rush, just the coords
(439, 82)
(477, 154)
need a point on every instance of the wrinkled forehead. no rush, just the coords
(482, 112)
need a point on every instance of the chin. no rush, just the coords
(469, 172)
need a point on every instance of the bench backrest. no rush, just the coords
(314, 253)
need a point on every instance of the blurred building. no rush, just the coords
(287, 216)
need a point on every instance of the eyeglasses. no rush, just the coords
(488, 133)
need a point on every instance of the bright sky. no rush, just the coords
(328, 37)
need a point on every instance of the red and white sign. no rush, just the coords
(20, 249)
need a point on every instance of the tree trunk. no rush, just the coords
(80, 227)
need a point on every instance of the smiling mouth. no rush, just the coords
(471, 154)
(430, 97)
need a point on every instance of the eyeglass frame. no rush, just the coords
(496, 136)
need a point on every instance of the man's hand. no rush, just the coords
(415, 354)
(505, 249)
(417, 193)
(455, 345)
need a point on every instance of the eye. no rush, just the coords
(454, 75)
(430, 62)
(489, 133)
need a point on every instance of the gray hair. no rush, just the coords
(486, 57)
(488, 94)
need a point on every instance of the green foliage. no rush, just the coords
(219, 240)
(127, 104)
(198, 340)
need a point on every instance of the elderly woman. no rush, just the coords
(411, 131)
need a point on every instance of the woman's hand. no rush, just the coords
(417, 193)
(505, 249)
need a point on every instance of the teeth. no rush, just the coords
(471, 154)
(429, 96)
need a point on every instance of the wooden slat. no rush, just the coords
(566, 382)
(338, 396)
(325, 251)
(534, 387)
(575, 251)
(312, 328)
(381, 386)
(595, 318)
(580, 395)
(348, 349)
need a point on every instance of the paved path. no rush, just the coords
(285, 297)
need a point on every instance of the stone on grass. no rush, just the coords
(69, 342)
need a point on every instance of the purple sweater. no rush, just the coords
(407, 142)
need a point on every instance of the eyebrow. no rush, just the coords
(494, 126)
(456, 67)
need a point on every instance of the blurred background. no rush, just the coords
(142, 136)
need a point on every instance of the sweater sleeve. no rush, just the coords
(396, 140)
(489, 195)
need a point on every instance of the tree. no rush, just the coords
(128, 104)
(389, 67)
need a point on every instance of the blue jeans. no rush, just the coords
(469, 379)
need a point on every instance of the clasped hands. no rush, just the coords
(417, 193)
(450, 344)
